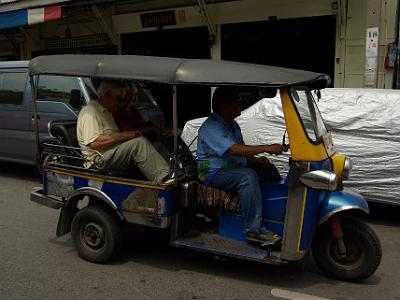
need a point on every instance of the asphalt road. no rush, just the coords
(34, 264)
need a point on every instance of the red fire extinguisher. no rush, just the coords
(391, 56)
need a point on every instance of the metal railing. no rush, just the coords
(71, 157)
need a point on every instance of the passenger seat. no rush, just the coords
(64, 131)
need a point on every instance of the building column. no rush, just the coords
(372, 43)
(340, 46)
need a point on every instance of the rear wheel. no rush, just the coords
(96, 233)
(363, 251)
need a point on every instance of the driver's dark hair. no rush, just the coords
(224, 94)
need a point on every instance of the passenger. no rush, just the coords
(127, 118)
(97, 130)
(223, 161)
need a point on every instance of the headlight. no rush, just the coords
(347, 168)
(321, 180)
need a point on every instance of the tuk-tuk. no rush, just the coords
(309, 209)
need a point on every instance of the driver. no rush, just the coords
(223, 161)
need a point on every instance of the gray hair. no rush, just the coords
(115, 87)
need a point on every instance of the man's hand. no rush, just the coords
(131, 134)
(275, 149)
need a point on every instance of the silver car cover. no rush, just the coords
(365, 125)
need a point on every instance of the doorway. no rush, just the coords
(302, 43)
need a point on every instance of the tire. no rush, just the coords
(96, 234)
(300, 265)
(363, 247)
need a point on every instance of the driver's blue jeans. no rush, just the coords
(243, 181)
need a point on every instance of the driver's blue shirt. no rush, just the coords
(214, 139)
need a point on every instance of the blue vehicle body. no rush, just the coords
(320, 206)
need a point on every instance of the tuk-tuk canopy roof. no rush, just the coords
(174, 70)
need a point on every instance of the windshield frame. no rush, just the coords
(314, 113)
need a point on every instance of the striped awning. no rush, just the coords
(32, 16)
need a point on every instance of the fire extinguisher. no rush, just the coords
(391, 56)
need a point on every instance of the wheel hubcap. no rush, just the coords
(354, 254)
(92, 235)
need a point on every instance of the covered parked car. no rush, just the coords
(365, 124)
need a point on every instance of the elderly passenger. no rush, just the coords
(97, 130)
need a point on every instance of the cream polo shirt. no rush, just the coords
(94, 120)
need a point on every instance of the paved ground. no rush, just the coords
(36, 265)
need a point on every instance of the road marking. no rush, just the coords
(293, 295)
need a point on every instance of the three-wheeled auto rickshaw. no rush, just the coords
(309, 209)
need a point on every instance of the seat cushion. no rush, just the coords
(208, 196)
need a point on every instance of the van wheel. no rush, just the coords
(96, 233)
(363, 248)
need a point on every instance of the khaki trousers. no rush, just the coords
(137, 152)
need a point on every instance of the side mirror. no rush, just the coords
(75, 98)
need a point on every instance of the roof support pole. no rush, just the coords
(33, 80)
(107, 29)
(175, 119)
(174, 130)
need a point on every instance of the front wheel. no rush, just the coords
(96, 233)
(363, 251)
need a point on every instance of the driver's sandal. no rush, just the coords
(263, 236)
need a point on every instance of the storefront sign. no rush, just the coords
(158, 19)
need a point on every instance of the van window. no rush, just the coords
(12, 87)
(56, 88)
